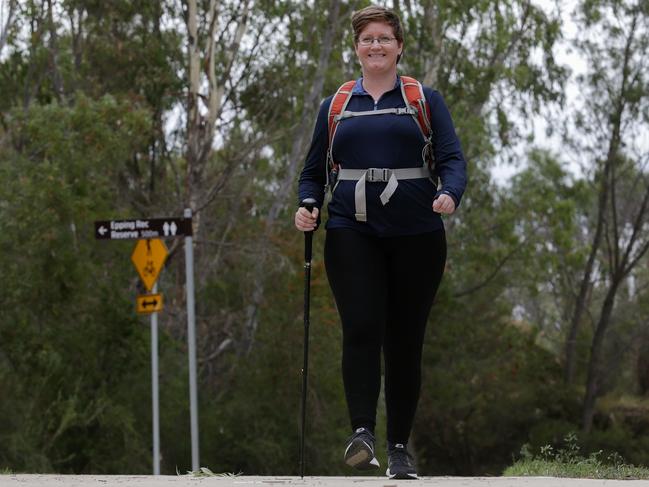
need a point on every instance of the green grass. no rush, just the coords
(585, 470)
(206, 472)
(5, 471)
(567, 462)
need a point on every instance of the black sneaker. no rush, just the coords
(360, 450)
(400, 464)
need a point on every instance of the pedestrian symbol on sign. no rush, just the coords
(169, 229)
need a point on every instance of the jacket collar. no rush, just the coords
(359, 90)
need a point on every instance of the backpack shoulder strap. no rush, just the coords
(338, 104)
(413, 95)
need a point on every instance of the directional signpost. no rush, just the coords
(148, 257)
(143, 228)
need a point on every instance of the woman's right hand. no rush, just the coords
(305, 221)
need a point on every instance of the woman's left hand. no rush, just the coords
(444, 204)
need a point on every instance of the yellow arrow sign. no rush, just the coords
(149, 303)
(148, 257)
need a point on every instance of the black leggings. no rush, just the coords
(384, 289)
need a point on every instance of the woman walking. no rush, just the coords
(385, 247)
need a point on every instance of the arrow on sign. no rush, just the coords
(146, 304)
(149, 303)
(102, 230)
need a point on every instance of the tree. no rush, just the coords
(614, 111)
(64, 320)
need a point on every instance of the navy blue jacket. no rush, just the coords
(386, 141)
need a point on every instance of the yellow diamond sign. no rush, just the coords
(148, 257)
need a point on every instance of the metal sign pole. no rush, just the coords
(154, 389)
(191, 343)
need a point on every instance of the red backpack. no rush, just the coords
(416, 105)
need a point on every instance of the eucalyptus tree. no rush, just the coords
(615, 112)
(594, 268)
(64, 48)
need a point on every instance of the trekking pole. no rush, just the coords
(307, 203)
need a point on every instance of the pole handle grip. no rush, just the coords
(309, 204)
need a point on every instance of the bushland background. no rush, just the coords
(139, 108)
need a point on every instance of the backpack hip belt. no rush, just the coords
(378, 175)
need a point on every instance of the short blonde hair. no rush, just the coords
(374, 13)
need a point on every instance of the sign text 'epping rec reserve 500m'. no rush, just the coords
(143, 228)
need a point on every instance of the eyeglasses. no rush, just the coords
(383, 40)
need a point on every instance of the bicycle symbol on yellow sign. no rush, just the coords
(149, 257)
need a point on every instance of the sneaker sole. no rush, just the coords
(401, 475)
(359, 455)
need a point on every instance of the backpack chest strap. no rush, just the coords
(384, 111)
(378, 175)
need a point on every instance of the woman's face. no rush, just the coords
(378, 57)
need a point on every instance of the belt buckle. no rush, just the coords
(378, 174)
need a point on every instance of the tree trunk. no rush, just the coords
(4, 33)
(614, 145)
(618, 268)
(201, 124)
(193, 114)
(582, 298)
(57, 81)
(593, 383)
(432, 63)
